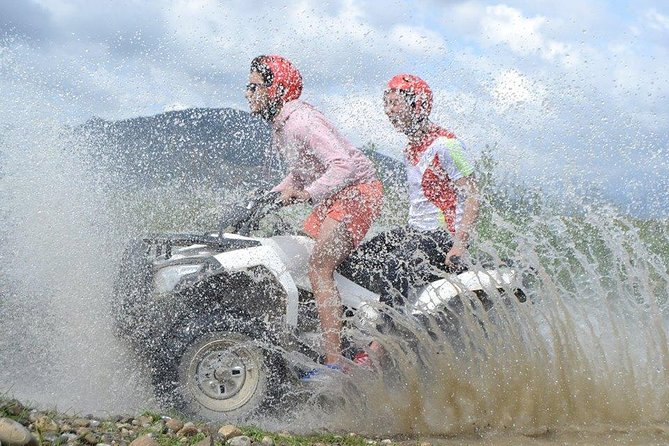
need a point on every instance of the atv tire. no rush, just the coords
(223, 375)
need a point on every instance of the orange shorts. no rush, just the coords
(357, 206)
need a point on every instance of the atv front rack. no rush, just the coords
(163, 243)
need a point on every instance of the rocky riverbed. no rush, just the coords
(25, 426)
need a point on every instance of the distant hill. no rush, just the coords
(214, 146)
(186, 147)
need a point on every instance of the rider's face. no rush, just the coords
(398, 110)
(256, 93)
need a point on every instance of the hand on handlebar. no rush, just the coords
(454, 258)
(292, 195)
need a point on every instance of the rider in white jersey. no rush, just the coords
(443, 203)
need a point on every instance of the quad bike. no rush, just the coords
(226, 322)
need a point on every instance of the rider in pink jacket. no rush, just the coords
(324, 169)
(321, 161)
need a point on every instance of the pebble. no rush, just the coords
(174, 425)
(68, 437)
(15, 434)
(144, 421)
(144, 440)
(91, 438)
(206, 441)
(229, 431)
(188, 430)
(14, 408)
(241, 440)
(157, 428)
(50, 437)
(46, 424)
(57, 429)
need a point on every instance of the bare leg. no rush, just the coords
(333, 245)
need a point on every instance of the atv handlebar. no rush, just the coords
(246, 219)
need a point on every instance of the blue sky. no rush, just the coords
(571, 92)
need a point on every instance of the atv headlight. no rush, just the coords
(177, 277)
(167, 278)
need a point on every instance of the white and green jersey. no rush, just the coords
(433, 165)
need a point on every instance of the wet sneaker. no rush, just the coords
(320, 374)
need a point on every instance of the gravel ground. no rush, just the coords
(25, 426)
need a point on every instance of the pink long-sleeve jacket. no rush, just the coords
(320, 160)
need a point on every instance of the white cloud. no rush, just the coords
(657, 21)
(464, 16)
(498, 25)
(503, 24)
(329, 43)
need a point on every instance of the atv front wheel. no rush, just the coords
(227, 375)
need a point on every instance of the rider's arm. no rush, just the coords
(330, 149)
(470, 209)
(460, 169)
(290, 182)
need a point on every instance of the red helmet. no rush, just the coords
(286, 79)
(416, 86)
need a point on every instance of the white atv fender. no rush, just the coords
(287, 259)
(436, 295)
(268, 257)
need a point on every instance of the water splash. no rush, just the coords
(57, 347)
(589, 347)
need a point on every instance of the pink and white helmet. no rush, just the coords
(286, 79)
(417, 87)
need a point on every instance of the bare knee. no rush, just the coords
(321, 274)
